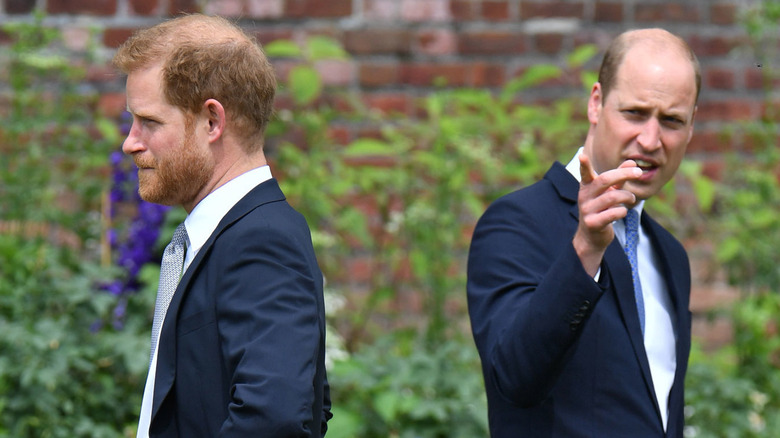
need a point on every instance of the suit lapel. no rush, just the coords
(623, 287)
(264, 193)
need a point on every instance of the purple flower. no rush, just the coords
(133, 242)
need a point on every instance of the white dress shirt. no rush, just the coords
(659, 336)
(200, 223)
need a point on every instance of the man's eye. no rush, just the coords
(673, 121)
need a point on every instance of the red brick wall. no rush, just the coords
(399, 46)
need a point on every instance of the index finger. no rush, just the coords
(587, 174)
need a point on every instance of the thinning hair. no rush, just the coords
(624, 42)
(207, 57)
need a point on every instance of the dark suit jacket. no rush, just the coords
(562, 355)
(243, 344)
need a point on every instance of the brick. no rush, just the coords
(549, 43)
(709, 141)
(754, 78)
(225, 8)
(73, 7)
(427, 10)
(495, 10)
(265, 8)
(388, 103)
(714, 168)
(144, 7)
(490, 43)
(666, 12)
(76, 38)
(719, 78)
(727, 110)
(463, 10)
(336, 72)
(176, 7)
(378, 42)
(608, 12)
(14, 7)
(377, 75)
(340, 134)
(426, 74)
(712, 333)
(5, 39)
(713, 45)
(437, 42)
(265, 35)
(112, 105)
(487, 75)
(723, 14)
(539, 9)
(317, 8)
(381, 10)
(114, 37)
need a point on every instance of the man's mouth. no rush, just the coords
(646, 166)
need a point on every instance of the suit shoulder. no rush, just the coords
(536, 199)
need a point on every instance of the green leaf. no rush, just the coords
(536, 74)
(589, 78)
(363, 147)
(305, 84)
(581, 55)
(283, 49)
(108, 130)
(321, 47)
(345, 424)
(387, 405)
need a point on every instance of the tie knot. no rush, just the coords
(179, 235)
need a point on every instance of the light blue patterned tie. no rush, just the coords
(632, 240)
(170, 274)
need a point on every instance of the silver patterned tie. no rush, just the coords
(170, 274)
(632, 240)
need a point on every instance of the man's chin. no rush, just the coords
(156, 197)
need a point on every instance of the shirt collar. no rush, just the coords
(205, 217)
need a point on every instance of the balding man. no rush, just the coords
(238, 340)
(579, 300)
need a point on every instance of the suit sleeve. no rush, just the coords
(270, 329)
(529, 296)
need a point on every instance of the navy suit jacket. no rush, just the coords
(243, 344)
(562, 355)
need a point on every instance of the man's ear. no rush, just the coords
(215, 112)
(595, 103)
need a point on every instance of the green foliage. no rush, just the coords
(49, 150)
(735, 392)
(749, 222)
(398, 387)
(63, 371)
(403, 200)
(62, 375)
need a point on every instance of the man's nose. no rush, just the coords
(650, 136)
(132, 143)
